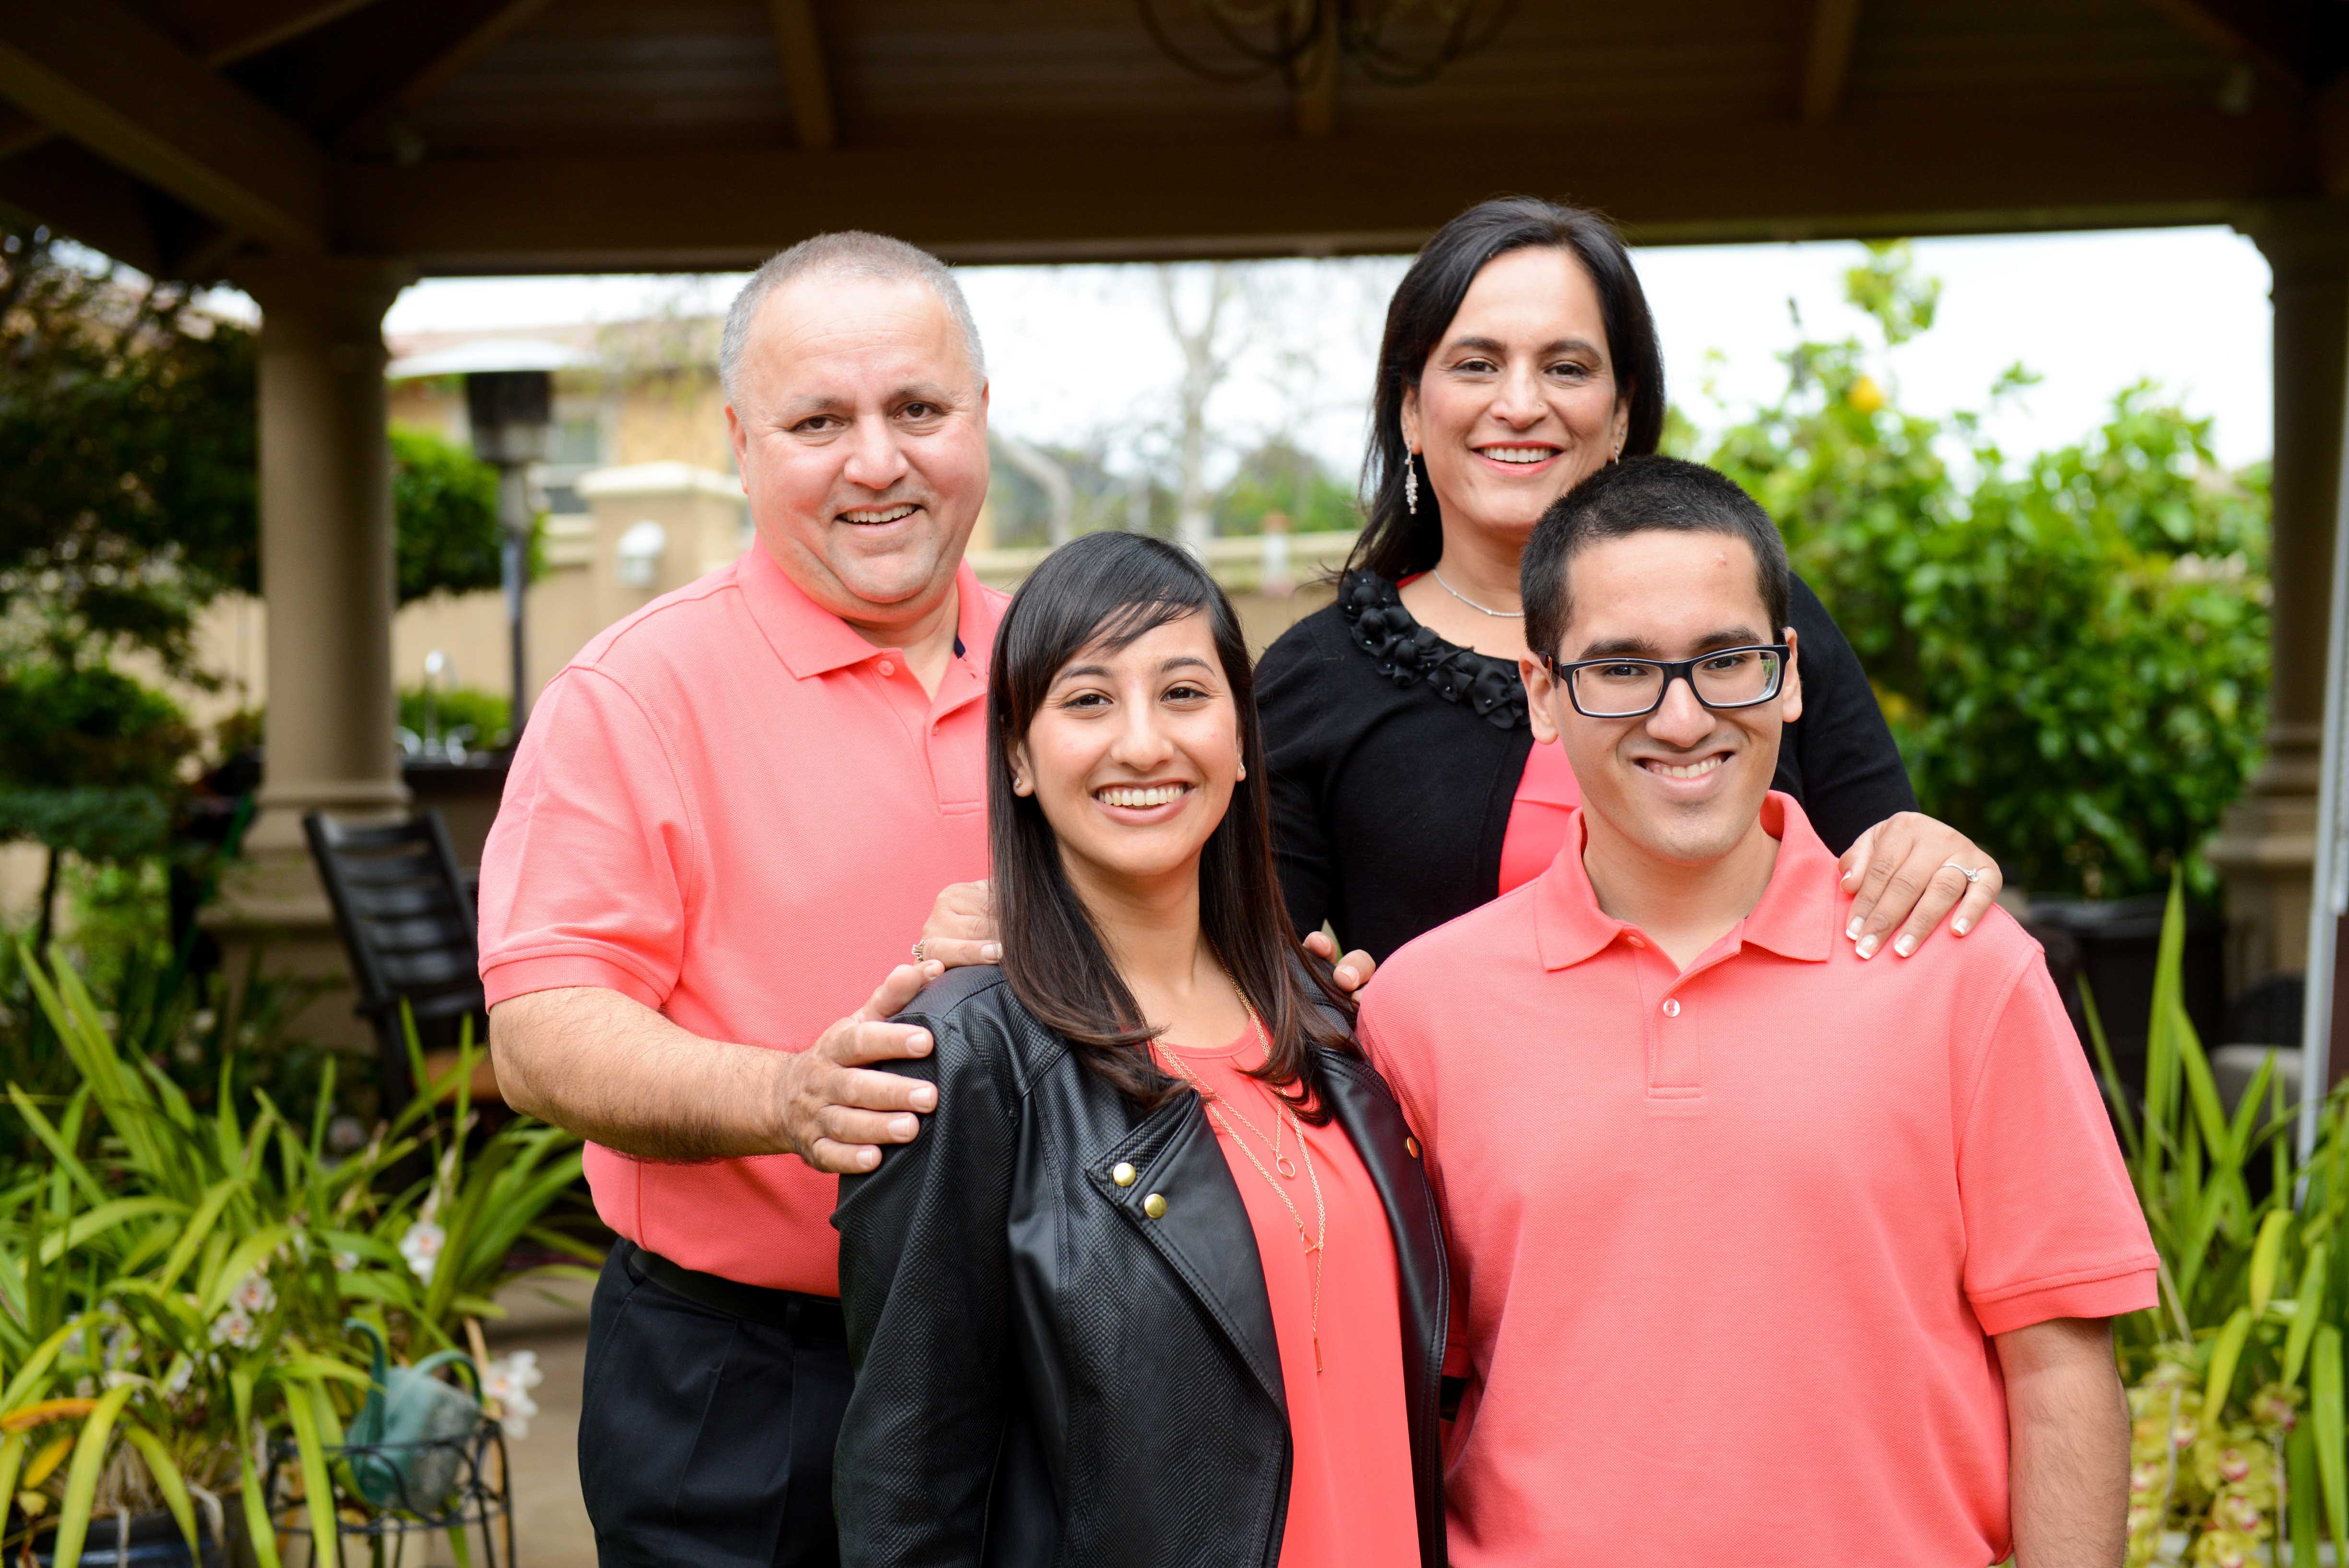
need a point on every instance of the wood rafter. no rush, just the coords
(2279, 37)
(101, 74)
(222, 32)
(217, 33)
(1826, 59)
(73, 190)
(1313, 88)
(352, 79)
(799, 50)
(1081, 199)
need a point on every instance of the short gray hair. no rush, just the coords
(855, 254)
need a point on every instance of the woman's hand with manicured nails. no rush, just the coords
(961, 930)
(1900, 875)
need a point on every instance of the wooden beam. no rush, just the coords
(20, 132)
(1087, 198)
(2283, 39)
(348, 81)
(101, 74)
(799, 50)
(73, 190)
(1826, 59)
(1313, 88)
(222, 32)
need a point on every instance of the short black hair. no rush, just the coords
(1633, 496)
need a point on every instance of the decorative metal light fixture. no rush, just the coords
(1260, 37)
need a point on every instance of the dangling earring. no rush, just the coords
(1411, 482)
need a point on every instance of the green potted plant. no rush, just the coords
(2239, 1443)
(174, 1287)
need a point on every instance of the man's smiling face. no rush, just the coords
(1684, 783)
(860, 425)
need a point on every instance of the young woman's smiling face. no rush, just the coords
(1133, 755)
(1520, 401)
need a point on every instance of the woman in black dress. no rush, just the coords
(1519, 357)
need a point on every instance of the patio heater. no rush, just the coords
(512, 416)
(510, 404)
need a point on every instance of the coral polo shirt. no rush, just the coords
(734, 809)
(1730, 1242)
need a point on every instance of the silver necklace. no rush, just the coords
(1472, 603)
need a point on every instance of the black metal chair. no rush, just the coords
(406, 920)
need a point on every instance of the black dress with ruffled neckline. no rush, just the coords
(1407, 652)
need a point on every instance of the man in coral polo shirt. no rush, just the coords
(1764, 1254)
(729, 816)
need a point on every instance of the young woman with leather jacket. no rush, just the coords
(1161, 1281)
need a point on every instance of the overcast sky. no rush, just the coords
(1081, 353)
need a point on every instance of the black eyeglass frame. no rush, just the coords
(1673, 669)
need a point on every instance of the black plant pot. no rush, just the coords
(155, 1543)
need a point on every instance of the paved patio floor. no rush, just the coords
(551, 1529)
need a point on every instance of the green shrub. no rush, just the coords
(444, 501)
(2072, 652)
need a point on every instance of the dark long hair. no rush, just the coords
(1394, 543)
(1108, 590)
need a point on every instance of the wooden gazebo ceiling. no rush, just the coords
(529, 135)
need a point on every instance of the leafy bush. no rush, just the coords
(445, 502)
(2071, 651)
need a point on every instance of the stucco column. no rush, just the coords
(326, 542)
(2267, 844)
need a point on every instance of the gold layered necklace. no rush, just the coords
(1284, 1122)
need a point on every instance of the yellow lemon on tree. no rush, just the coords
(1866, 395)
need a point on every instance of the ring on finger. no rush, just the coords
(919, 957)
(1973, 877)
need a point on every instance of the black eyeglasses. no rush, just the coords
(1635, 688)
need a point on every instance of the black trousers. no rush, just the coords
(706, 1437)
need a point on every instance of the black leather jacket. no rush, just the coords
(1047, 1375)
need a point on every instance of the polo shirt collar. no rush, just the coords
(1796, 917)
(812, 640)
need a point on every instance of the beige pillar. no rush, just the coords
(2267, 844)
(326, 580)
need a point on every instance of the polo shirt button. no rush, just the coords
(888, 667)
(1672, 1007)
(1636, 940)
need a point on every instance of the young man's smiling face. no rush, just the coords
(1684, 783)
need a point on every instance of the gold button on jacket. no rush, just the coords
(1155, 1206)
(1122, 1174)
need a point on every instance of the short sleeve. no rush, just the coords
(585, 874)
(2053, 1226)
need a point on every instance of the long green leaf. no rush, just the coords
(104, 1218)
(81, 1480)
(12, 1462)
(243, 1259)
(2300, 1490)
(198, 1227)
(167, 1479)
(2224, 1357)
(2267, 1253)
(2307, 1311)
(69, 1165)
(259, 1528)
(2332, 1423)
(2116, 1094)
(326, 1544)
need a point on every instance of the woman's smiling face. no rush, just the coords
(1520, 401)
(1133, 755)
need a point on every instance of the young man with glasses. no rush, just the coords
(1761, 1254)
